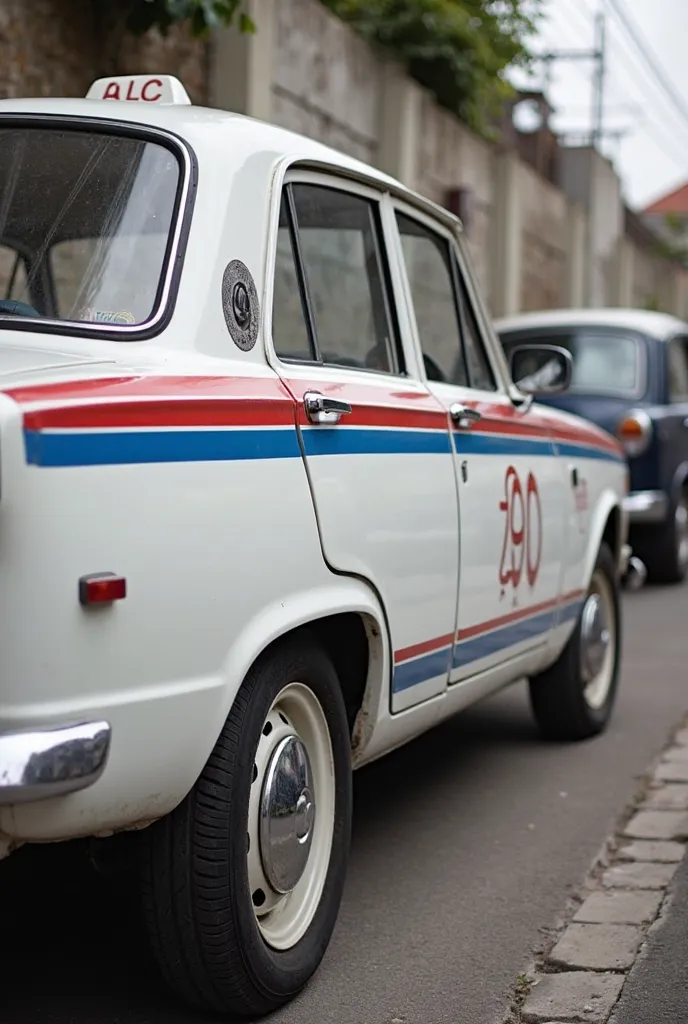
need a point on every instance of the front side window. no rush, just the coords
(85, 224)
(604, 362)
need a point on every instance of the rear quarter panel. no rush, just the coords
(595, 473)
(221, 556)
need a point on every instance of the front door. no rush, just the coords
(376, 442)
(510, 482)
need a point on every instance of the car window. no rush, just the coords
(428, 267)
(678, 370)
(289, 326)
(13, 279)
(338, 246)
(479, 370)
(95, 219)
(604, 362)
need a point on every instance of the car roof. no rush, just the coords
(212, 132)
(657, 325)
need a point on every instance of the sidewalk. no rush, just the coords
(622, 955)
(656, 991)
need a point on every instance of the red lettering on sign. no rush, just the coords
(522, 544)
(144, 90)
(130, 95)
(111, 91)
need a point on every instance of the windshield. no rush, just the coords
(606, 362)
(85, 222)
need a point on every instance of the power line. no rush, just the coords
(649, 57)
(653, 128)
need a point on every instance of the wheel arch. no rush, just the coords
(608, 525)
(348, 621)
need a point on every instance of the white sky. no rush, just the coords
(653, 158)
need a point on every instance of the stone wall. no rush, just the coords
(56, 48)
(449, 157)
(545, 212)
(326, 81)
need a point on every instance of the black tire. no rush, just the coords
(557, 695)
(198, 907)
(660, 547)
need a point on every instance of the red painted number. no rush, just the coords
(522, 545)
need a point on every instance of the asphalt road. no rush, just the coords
(465, 846)
(656, 991)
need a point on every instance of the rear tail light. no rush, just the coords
(634, 432)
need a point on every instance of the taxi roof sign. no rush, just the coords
(139, 89)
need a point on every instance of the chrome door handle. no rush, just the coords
(320, 409)
(463, 417)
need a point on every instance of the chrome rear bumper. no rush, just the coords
(52, 762)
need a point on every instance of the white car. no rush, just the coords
(270, 506)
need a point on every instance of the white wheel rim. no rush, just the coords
(598, 640)
(295, 720)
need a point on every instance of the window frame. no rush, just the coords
(336, 183)
(180, 225)
(459, 275)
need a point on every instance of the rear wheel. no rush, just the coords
(242, 883)
(665, 548)
(574, 699)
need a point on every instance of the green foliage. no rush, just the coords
(459, 49)
(200, 15)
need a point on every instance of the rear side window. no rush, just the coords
(604, 362)
(92, 215)
(330, 261)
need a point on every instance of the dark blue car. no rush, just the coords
(630, 376)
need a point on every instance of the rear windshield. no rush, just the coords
(604, 362)
(85, 224)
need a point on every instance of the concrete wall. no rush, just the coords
(544, 234)
(327, 83)
(450, 156)
(533, 245)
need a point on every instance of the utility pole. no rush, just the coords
(598, 82)
(598, 56)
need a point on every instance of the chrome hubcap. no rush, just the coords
(287, 815)
(595, 636)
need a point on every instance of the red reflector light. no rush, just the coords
(102, 588)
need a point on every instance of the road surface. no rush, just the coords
(465, 846)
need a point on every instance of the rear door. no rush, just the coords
(375, 440)
(511, 500)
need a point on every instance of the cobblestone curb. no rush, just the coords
(579, 977)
